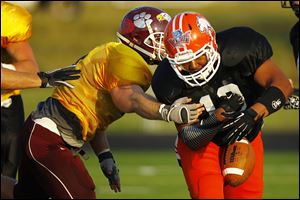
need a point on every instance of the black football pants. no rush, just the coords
(12, 119)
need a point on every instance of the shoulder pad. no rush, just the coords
(235, 43)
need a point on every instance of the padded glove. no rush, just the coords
(180, 111)
(231, 102)
(293, 101)
(110, 170)
(239, 125)
(58, 77)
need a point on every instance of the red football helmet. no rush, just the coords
(142, 29)
(187, 37)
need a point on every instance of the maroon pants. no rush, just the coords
(49, 168)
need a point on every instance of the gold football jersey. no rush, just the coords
(102, 69)
(16, 26)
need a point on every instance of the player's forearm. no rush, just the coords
(29, 66)
(18, 80)
(131, 98)
(145, 106)
(99, 143)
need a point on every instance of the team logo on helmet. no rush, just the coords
(204, 25)
(142, 20)
(179, 39)
(163, 16)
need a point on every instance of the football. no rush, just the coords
(237, 162)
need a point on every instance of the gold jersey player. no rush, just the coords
(19, 70)
(114, 78)
(15, 29)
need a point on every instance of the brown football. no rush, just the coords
(237, 162)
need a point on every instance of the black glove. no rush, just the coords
(240, 124)
(293, 101)
(110, 170)
(231, 103)
(59, 76)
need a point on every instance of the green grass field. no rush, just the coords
(156, 175)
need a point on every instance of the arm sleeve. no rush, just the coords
(199, 135)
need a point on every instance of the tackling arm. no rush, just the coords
(132, 98)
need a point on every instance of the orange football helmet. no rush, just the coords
(187, 37)
(142, 29)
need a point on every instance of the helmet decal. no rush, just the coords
(203, 25)
(142, 20)
(179, 39)
(163, 16)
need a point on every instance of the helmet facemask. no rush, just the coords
(202, 76)
(155, 41)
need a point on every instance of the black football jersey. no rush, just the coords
(242, 51)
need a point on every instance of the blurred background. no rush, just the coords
(63, 31)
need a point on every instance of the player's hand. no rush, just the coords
(58, 77)
(241, 124)
(182, 112)
(110, 170)
(231, 102)
(293, 101)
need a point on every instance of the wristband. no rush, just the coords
(273, 99)
(164, 111)
(43, 78)
(105, 155)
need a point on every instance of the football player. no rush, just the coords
(232, 73)
(19, 70)
(114, 78)
(293, 101)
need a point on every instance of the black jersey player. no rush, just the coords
(231, 70)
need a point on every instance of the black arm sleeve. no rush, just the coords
(196, 136)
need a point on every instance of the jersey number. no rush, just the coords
(209, 105)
